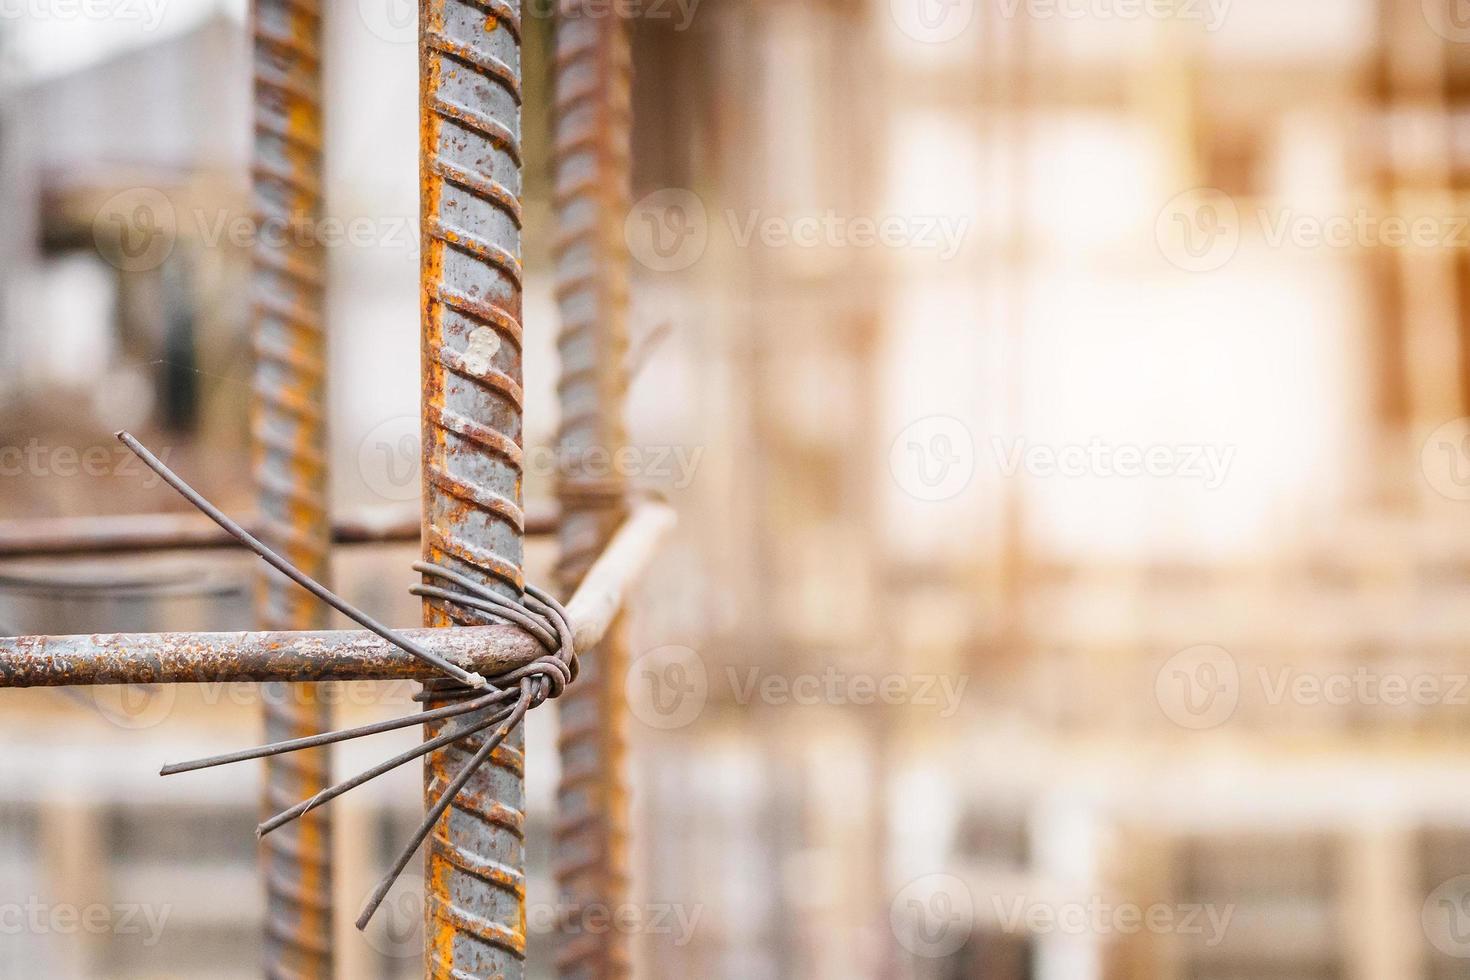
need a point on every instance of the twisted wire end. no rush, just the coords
(538, 613)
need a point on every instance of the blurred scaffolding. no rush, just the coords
(1066, 405)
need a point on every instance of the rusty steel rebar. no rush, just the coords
(288, 435)
(592, 133)
(333, 655)
(263, 657)
(470, 185)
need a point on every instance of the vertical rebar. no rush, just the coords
(592, 136)
(288, 429)
(470, 179)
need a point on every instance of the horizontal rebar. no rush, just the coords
(59, 537)
(196, 658)
(332, 655)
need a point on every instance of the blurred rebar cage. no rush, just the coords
(1067, 404)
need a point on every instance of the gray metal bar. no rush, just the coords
(470, 184)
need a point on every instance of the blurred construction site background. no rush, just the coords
(1066, 405)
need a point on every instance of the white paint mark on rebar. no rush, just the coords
(484, 345)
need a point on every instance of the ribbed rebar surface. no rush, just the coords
(289, 441)
(470, 63)
(592, 136)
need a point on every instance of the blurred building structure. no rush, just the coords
(1182, 693)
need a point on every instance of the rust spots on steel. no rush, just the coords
(184, 658)
(470, 180)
